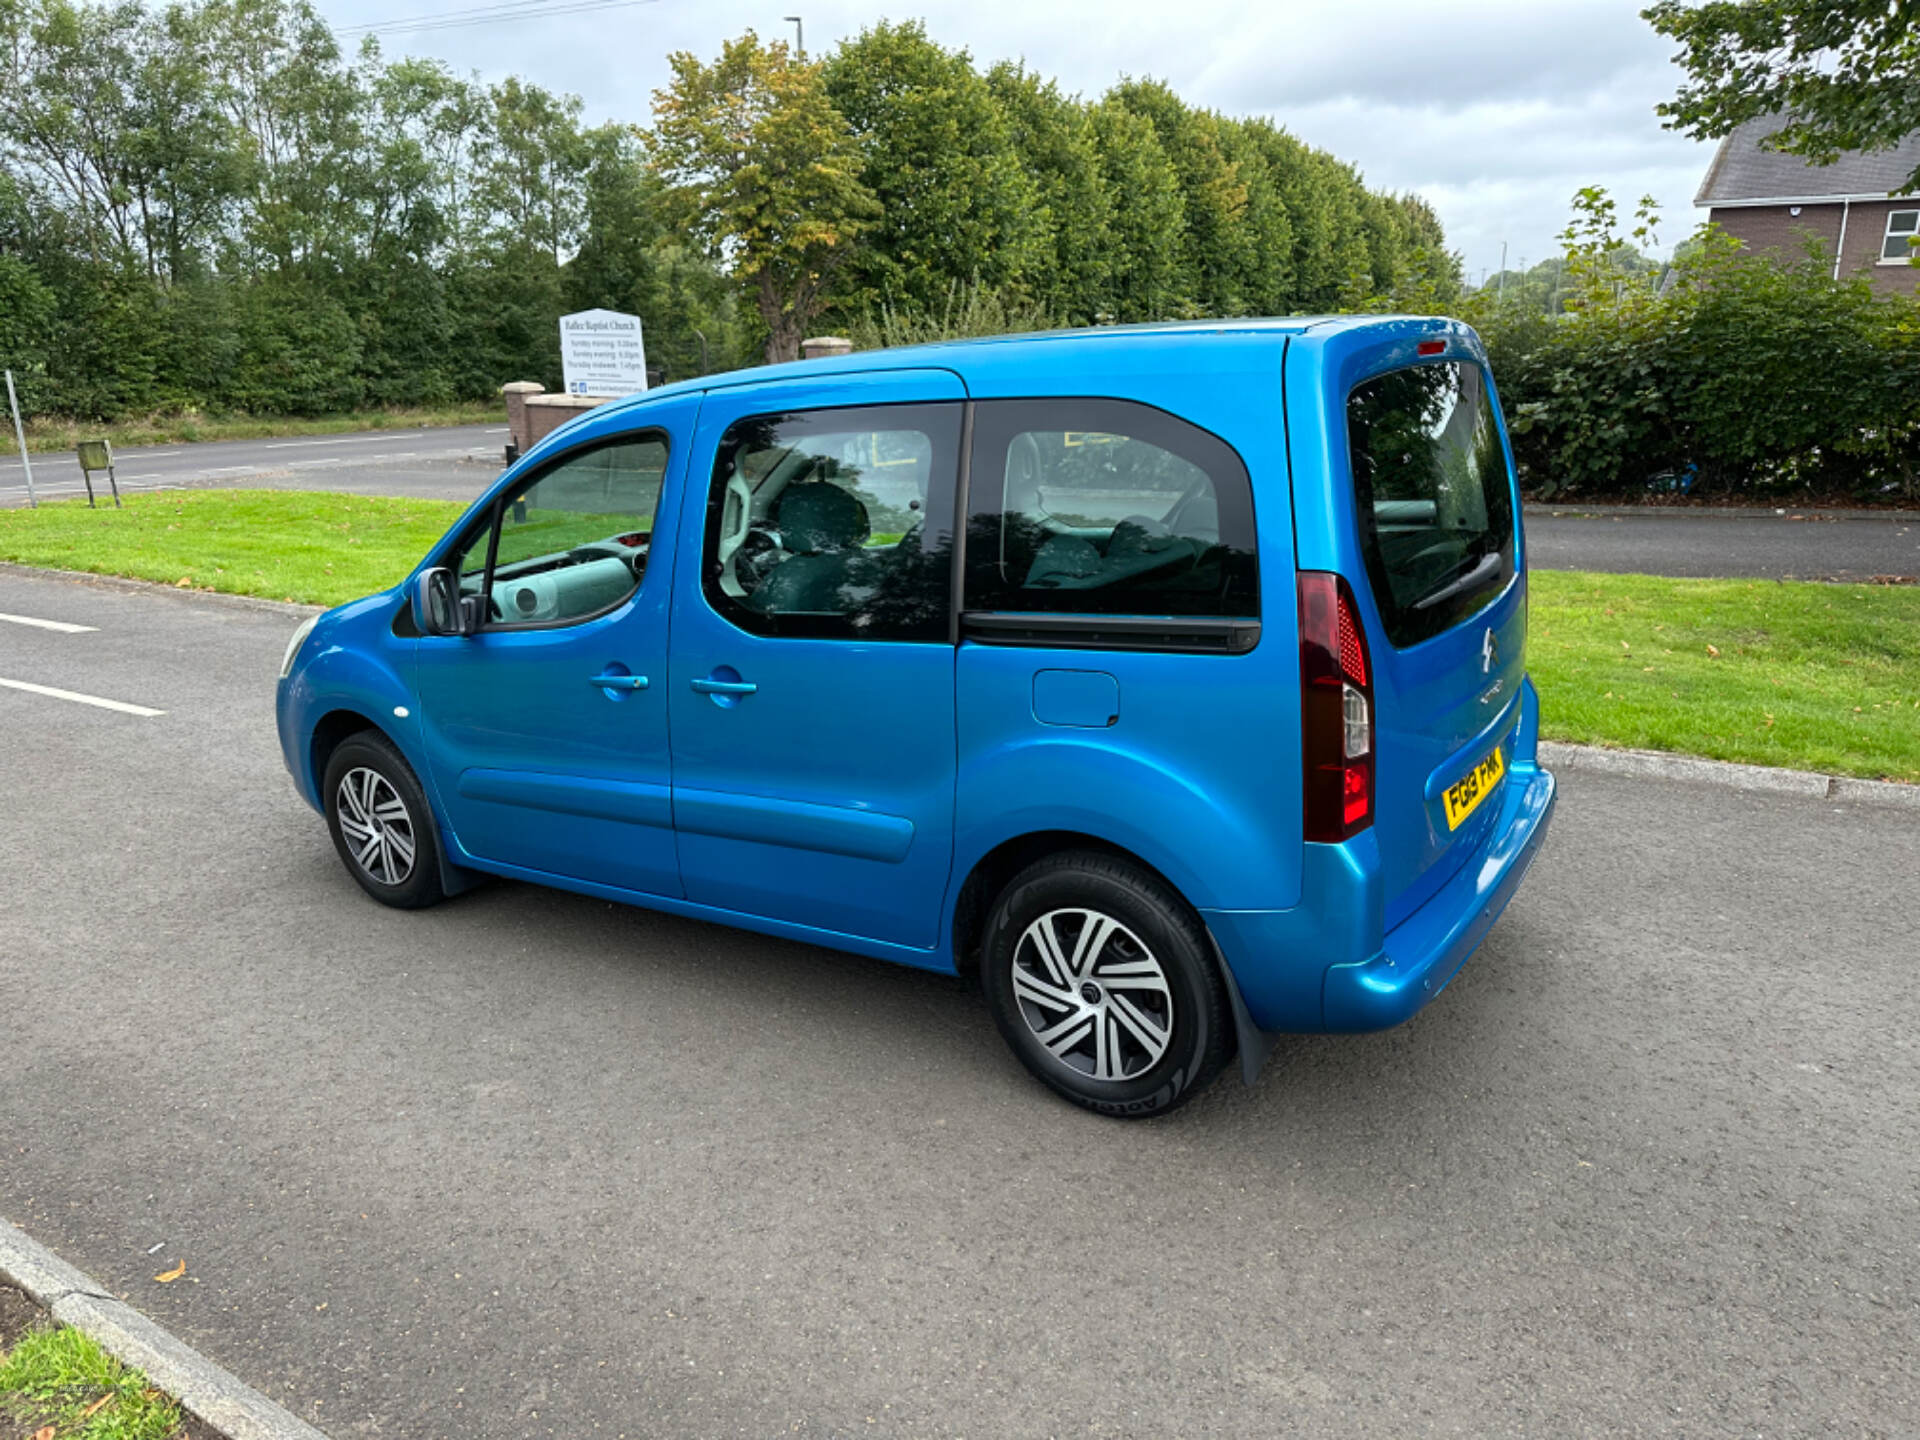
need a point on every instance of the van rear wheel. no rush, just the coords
(1101, 979)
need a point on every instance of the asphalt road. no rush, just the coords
(532, 1164)
(419, 462)
(1797, 545)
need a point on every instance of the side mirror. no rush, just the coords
(437, 607)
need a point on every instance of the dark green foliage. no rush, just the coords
(937, 153)
(205, 205)
(1053, 137)
(1760, 376)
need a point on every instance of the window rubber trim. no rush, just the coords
(962, 489)
(1167, 634)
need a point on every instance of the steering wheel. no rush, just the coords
(759, 553)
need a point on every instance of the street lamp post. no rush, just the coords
(799, 35)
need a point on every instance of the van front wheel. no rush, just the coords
(381, 822)
(1102, 981)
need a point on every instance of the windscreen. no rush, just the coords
(1433, 496)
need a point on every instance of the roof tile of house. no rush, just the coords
(1742, 172)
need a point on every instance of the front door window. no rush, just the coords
(573, 542)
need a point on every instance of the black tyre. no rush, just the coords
(1102, 980)
(381, 822)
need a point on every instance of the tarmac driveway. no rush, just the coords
(533, 1164)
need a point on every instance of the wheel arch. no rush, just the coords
(329, 731)
(990, 874)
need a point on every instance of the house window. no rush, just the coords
(1902, 227)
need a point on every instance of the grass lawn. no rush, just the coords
(1817, 677)
(61, 434)
(55, 1381)
(283, 544)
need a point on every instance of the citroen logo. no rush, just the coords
(1489, 653)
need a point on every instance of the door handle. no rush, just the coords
(619, 682)
(724, 687)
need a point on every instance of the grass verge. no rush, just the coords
(1816, 677)
(310, 546)
(56, 1381)
(49, 433)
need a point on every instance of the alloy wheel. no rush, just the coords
(1093, 994)
(377, 827)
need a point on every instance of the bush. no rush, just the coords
(969, 311)
(1739, 375)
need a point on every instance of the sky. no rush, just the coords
(1495, 111)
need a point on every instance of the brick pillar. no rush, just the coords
(517, 391)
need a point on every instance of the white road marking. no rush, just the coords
(349, 440)
(69, 487)
(61, 625)
(122, 706)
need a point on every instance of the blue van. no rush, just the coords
(1170, 680)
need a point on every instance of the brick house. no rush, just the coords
(1855, 207)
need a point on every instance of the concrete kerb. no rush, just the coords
(1762, 779)
(1573, 509)
(155, 587)
(229, 1405)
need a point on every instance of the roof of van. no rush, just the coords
(954, 354)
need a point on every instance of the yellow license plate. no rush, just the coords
(1463, 798)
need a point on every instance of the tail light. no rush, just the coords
(1336, 709)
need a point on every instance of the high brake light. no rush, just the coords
(1336, 710)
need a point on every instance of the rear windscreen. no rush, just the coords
(1434, 502)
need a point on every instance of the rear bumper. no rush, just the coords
(1327, 965)
(1425, 950)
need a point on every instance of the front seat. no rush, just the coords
(823, 528)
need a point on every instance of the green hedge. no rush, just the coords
(1735, 376)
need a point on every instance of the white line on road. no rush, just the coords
(73, 487)
(349, 440)
(122, 706)
(61, 625)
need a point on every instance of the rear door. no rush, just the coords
(812, 659)
(1422, 479)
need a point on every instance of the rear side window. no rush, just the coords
(1433, 496)
(1106, 508)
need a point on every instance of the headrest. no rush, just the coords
(815, 516)
(1023, 476)
(1140, 535)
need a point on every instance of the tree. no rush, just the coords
(765, 172)
(1213, 260)
(1846, 73)
(1052, 135)
(956, 204)
(1149, 218)
(629, 260)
